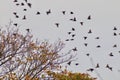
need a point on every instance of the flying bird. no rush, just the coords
(114, 28)
(24, 17)
(74, 49)
(90, 69)
(73, 29)
(29, 4)
(89, 17)
(15, 24)
(26, 1)
(86, 44)
(98, 46)
(81, 23)
(97, 66)
(85, 37)
(67, 40)
(28, 30)
(17, 16)
(22, 4)
(76, 64)
(111, 54)
(88, 54)
(110, 68)
(114, 45)
(48, 12)
(97, 38)
(89, 31)
(63, 12)
(71, 12)
(17, 4)
(69, 63)
(114, 34)
(24, 9)
(57, 24)
(69, 33)
(74, 19)
(71, 39)
(15, 1)
(38, 13)
(73, 35)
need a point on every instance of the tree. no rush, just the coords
(22, 56)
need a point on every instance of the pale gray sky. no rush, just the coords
(105, 15)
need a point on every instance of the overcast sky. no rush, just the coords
(105, 15)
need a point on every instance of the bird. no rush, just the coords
(97, 66)
(15, 13)
(57, 24)
(24, 17)
(73, 35)
(37, 13)
(89, 31)
(114, 34)
(71, 12)
(15, 1)
(85, 37)
(74, 49)
(114, 28)
(25, 0)
(90, 69)
(69, 33)
(63, 12)
(48, 12)
(67, 40)
(89, 17)
(17, 16)
(111, 54)
(107, 66)
(28, 30)
(97, 38)
(114, 45)
(17, 4)
(73, 19)
(86, 44)
(69, 63)
(15, 24)
(24, 9)
(76, 64)
(22, 4)
(98, 46)
(88, 54)
(29, 4)
(81, 23)
(73, 29)
(71, 39)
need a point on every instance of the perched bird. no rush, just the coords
(48, 12)
(81, 23)
(73, 29)
(29, 4)
(74, 49)
(89, 17)
(111, 54)
(63, 12)
(90, 69)
(86, 44)
(38, 13)
(97, 66)
(69, 63)
(114, 28)
(24, 17)
(57, 24)
(85, 37)
(89, 31)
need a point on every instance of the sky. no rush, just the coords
(105, 15)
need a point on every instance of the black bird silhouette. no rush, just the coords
(25, 0)
(15, 24)
(89, 17)
(111, 54)
(90, 69)
(69, 33)
(57, 24)
(107, 66)
(63, 12)
(15, 13)
(24, 17)
(17, 4)
(71, 39)
(76, 64)
(24, 9)
(74, 49)
(88, 54)
(81, 23)
(48, 12)
(71, 12)
(38, 13)
(85, 37)
(69, 63)
(97, 38)
(114, 28)
(73, 29)
(67, 40)
(29, 4)
(98, 46)
(86, 44)
(28, 30)
(114, 34)
(73, 35)
(97, 66)
(15, 1)
(74, 19)
(22, 4)
(114, 45)
(17, 16)
(89, 31)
